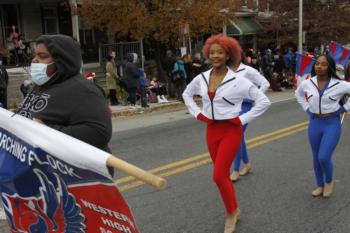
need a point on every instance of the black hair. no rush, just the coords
(347, 70)
(331, 67)
(108, 57)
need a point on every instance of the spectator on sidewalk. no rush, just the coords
(62, 98)
(188, 67)
(133, 75)
(278, 73)
(159, 90)
(3, 85)
(179, 77)
(116, 63)
(197, 64)
(17, 42)
(111, 80)
(143, 88)
(267, 65)
(168, 65)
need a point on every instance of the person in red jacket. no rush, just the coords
(222, 93)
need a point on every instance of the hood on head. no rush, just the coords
(169, 53)
(65, 52)
(131, 57)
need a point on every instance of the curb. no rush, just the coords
(153, 108)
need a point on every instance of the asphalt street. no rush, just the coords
(275, 197)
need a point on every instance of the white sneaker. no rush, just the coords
(164, 99)
(159, 99)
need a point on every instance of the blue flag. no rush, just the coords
(339, 53)
(304, 65)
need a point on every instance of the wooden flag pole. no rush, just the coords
(137, 172)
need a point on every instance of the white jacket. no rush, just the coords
(228, 98)
(254, 76)
(309, 98)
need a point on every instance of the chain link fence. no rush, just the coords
(121, 49)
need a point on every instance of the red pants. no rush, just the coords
(223, 140)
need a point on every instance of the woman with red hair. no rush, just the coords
(222, 95)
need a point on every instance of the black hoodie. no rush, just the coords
(68, 102)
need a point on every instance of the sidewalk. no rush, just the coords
(173, 105)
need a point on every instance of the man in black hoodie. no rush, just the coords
(62, 98)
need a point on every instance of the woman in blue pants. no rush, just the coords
(242, 154)
(260, 82)
(320, 97)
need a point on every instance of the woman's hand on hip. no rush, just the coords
(205, 119)
(236, 121)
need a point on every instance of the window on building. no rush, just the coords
(8, 17)
(50, 20)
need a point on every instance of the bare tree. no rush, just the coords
(323, 21)
(158, 21)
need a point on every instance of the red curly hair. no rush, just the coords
(230, 45)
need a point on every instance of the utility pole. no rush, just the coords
(300, 41)
(75, 19)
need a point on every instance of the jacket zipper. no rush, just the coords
(319, 105)
(212, 108)
(212, 100)
(320, 97)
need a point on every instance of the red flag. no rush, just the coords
(53, 183)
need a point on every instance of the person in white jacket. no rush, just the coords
(223, 92)
(261, 82)
(320, 97)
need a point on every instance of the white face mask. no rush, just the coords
(38, 73)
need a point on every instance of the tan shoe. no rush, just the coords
(317, 192)
(234, 176)
(231, 221)
(246, 169)
(328, 189)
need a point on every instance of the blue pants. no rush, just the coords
(242, 152)
(324, 135)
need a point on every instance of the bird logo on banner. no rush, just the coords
(48, 212)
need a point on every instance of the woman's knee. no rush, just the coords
(324, 159)
(218, 176)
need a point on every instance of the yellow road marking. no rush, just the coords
(169, 173)
(208, 160)
(165, 167)
(204, 155)
(277, 137)
(277, 132)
